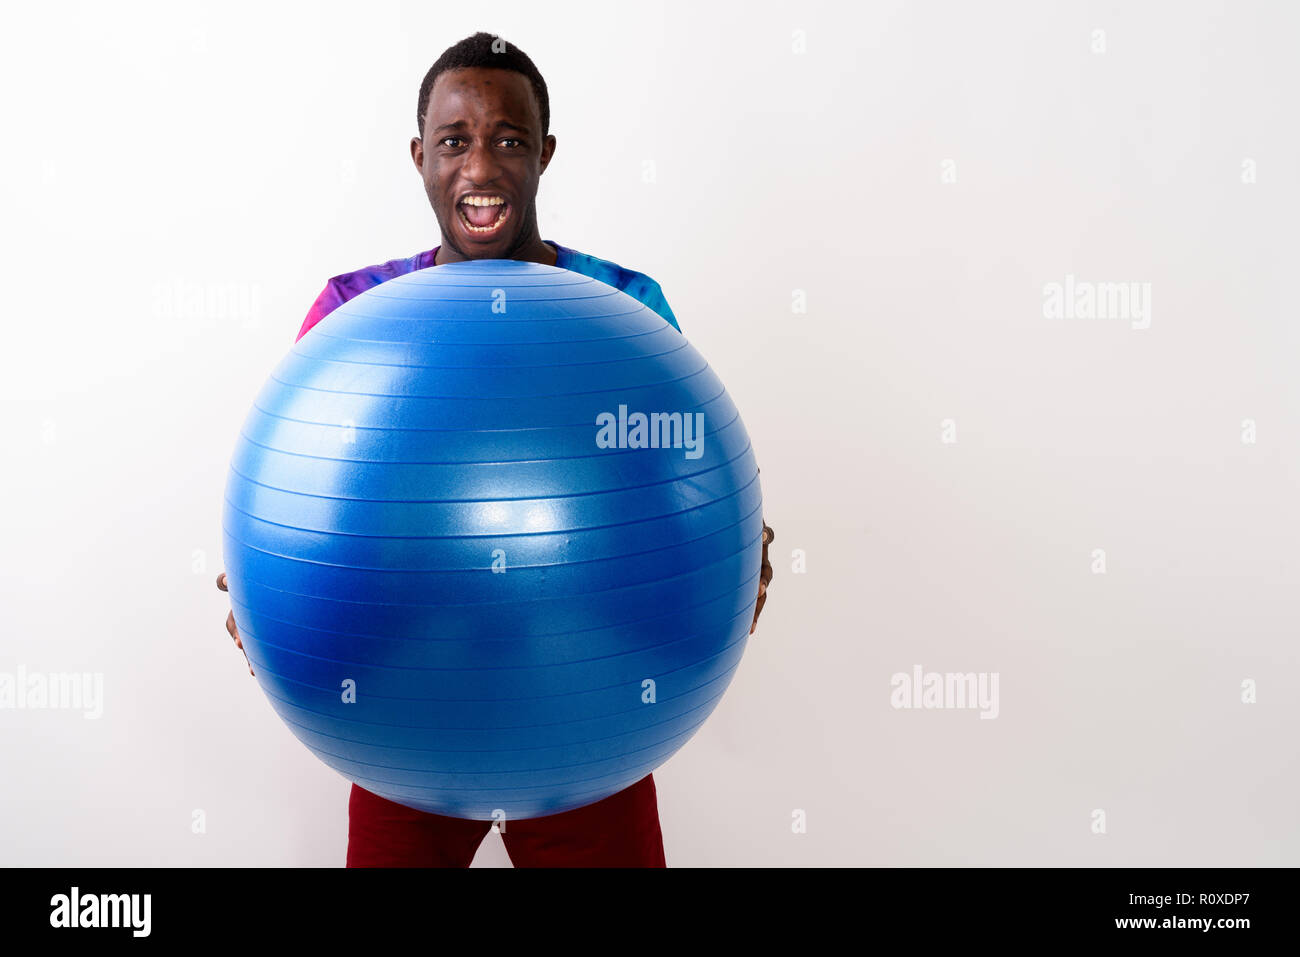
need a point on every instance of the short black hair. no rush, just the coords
(489, 52)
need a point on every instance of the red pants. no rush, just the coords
(620, 831)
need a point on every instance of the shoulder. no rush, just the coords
(635, 284)
(367, 277)
(339, 289)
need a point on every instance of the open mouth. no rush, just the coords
(483, 215)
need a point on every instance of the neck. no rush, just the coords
(533, 250)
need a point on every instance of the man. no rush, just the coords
(484, 141)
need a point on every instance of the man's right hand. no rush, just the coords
(230, 623)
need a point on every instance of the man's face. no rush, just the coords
(481, 158)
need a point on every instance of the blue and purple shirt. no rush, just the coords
(349, 285)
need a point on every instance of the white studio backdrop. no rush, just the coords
(865, 217)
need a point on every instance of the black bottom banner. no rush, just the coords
(1151, 907)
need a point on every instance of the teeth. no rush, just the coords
(483, 201)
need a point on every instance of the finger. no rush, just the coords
(239, 643)
(221, 582)
(230, 626)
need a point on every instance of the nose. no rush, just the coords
(481, 166)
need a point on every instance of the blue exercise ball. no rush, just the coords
(493, 534)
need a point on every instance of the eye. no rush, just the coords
(447, 139)
(517, 143)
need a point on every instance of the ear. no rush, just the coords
(417, 152)
(548, 150)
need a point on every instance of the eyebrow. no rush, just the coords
(500, 125)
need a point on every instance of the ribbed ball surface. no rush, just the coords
(418, 511)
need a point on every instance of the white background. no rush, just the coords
(164, 163)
